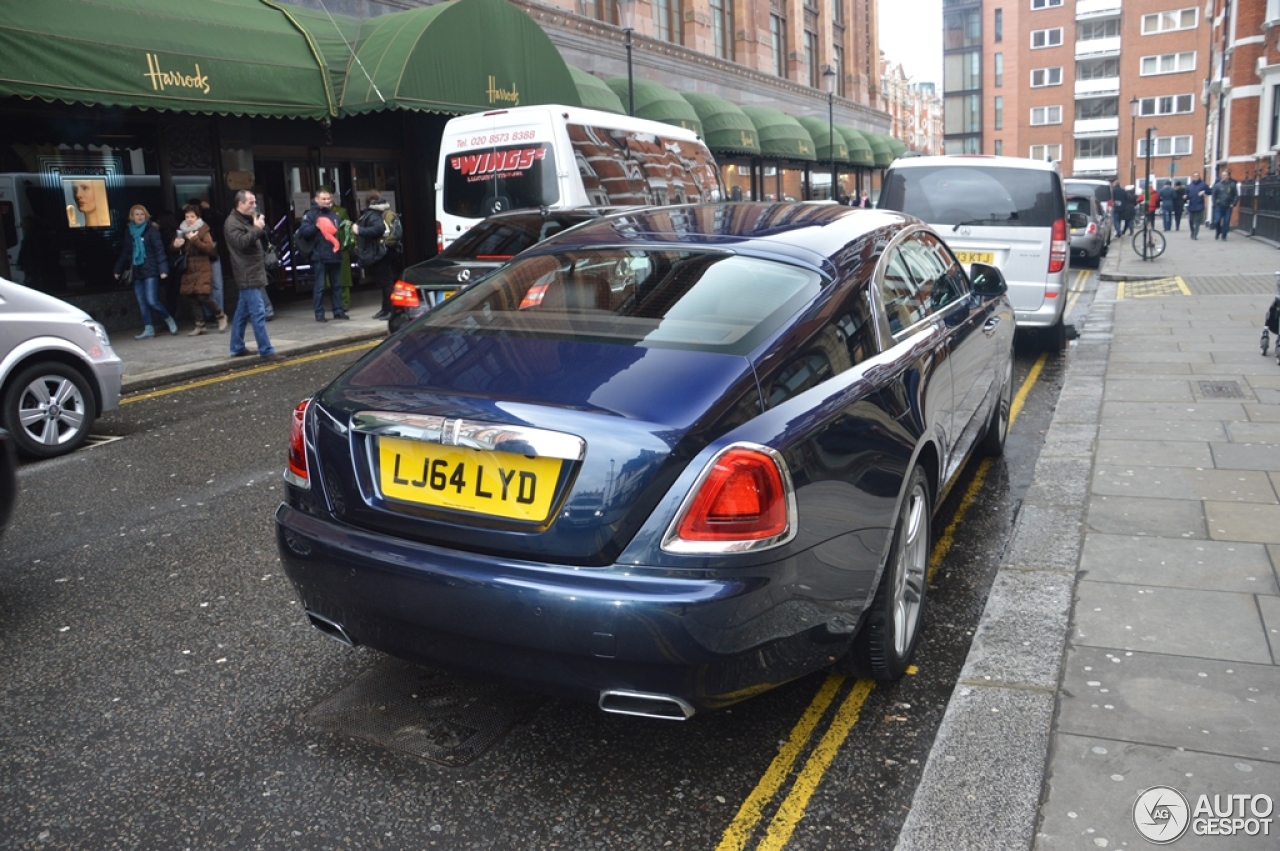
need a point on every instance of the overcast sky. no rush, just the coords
(911, 33)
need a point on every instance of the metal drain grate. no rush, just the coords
(424, 713)
(1221, 390)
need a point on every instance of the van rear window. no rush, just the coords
(479, 183)
(975, 195)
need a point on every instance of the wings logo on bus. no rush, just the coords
(492, 163)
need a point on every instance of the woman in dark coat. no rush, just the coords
(144, 252)
(195, 240)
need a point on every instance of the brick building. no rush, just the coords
(1244, 87)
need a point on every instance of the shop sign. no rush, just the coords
(499, 95)
(161, 78)
(508, 163)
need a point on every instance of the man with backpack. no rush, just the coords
(316, 241)
(378, 236)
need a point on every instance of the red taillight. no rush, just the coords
(439, 237)
(533, 296)
(1058, 247)
(743, 498)
(404, 294)
(1093, 228)
(297, 473)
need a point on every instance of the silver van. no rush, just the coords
(1005, 211)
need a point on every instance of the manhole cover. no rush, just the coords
(424, 713)
(1221, 390)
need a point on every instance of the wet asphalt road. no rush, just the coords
(157, 669)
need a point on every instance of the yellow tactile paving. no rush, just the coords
(1158, 288)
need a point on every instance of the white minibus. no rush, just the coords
(564, 156)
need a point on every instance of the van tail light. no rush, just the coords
(439, 237)
(1093, 228)
(297, 473)
(404, 294)
(1058, 247)
(744, 500)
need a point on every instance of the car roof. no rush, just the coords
(975, 159)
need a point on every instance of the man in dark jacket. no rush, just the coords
(377, 259)
(320, 224)
(1197, 189)
(1225, 196)
(243, 232)
(1127, 205)
(1117, 207)
(1168, 196)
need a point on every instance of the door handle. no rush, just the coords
(990, 326)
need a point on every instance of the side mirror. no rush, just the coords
(987, 281)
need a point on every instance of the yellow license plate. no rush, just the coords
(495, 484)
(968, 257)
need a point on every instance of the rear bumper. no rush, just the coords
(708, 640)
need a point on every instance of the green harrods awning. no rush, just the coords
(656, 102)
(456, 57)
(595, 92)
(880, 147)
(828, 143)
(239, 57)
(897, 147)
(860, 153)
(726, 128)
(781, 136)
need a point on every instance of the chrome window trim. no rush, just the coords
(673, 543)
(471, 434)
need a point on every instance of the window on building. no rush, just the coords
(997, 112)
(667, 17)
(837, 65)
(1177, 19)
(998, 149)
(722, 28)
(811, 58)
(1046, 38)
(1274, 136)
(1104, 146)
(1046, 115)
(1167, 105)
(778, 33)
(1169, 63)
(1046, 77)
(837, 11)
(1092, 30)
(966, 145)
(1047, 153)
(962, 71)
(1087, 108)
(1166, 146)
(961, 28)
(1098, 69)
(962, 114)
(999, 25)
(999, 70)
(1045, 4)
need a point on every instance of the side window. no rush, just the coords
(951, 285)
(899, 292)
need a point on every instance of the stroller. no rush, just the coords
(1272, 322)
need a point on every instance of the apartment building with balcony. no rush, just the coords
(1243, 92)
(1079, 82)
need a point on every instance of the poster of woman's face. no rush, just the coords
(86, 199)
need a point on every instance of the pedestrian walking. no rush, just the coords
(1179, 204)
(1197, 190)
(319, 227)
(378, 234)
(195, 242)
(144, 256)
(214, 220)
(866, 200)
(1117, 207)
(244, 231)
(1127, 205)
(1225, 195)
(1166, 197)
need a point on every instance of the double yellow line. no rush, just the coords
(788, 814)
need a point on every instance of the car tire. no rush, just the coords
(38, 430)
(992, 444)
(883, 647)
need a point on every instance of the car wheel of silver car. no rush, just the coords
(998, 428)
(884, 645)
(49, 409)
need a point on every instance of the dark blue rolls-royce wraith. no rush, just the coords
(661, 462)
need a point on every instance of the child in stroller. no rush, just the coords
(1272, 322)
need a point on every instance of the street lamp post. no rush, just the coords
(627, 20)
(829, 81)
(1133, 136)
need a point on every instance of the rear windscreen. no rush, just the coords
(975, 195)
(479, 183)
(506, 236)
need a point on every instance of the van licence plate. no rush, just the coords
(494, 484)
(967, 257)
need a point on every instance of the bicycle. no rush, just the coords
(1148, 243)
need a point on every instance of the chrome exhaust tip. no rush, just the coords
(333, 629)
(623, 702)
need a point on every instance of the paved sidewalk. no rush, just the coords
(1132, 634)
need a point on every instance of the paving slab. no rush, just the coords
(1176, 412)
(1234, 521)
(1069, 440)
(1154, 453)
(1154, 619)
(1162, 429)
(1183, 483)
(1046, 537)
(1204, 705)
(1020, 639)
(1148, 390)
(1095, 783)
(1159, 518)
(1060, 481)
(1200, 565)
(1245, 456)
